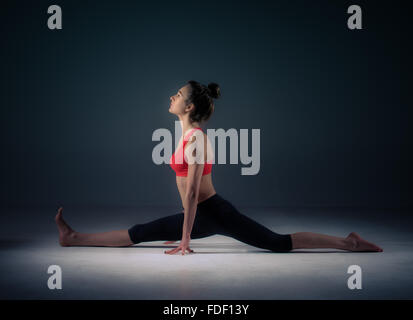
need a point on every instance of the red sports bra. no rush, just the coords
(181, 169)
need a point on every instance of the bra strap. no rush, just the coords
(190, 132)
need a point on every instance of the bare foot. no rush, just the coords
(357, 243)
(66, 233)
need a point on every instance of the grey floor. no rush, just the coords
(221, 268)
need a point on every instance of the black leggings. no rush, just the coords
(214, 215)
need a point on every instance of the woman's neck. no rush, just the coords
(187, 126)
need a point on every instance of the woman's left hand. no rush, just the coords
(183, 246)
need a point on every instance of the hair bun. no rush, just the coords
(213, 90)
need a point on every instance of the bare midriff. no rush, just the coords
(206, 188)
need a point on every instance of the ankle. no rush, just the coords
(349, 243)
(70, 238)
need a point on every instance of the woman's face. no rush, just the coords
(178, 101)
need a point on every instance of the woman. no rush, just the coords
(205, 212)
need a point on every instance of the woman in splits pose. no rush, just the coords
(205, 213)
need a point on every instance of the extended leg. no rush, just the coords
(166, 228)
(353, 242)
(242, 228)
(69, 237)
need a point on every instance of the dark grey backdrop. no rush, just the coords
(79, 105)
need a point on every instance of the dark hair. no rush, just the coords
(201, 96)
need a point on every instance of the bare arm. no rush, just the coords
(196, 160)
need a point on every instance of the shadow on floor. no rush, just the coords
(229, 246)
(10, 243)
